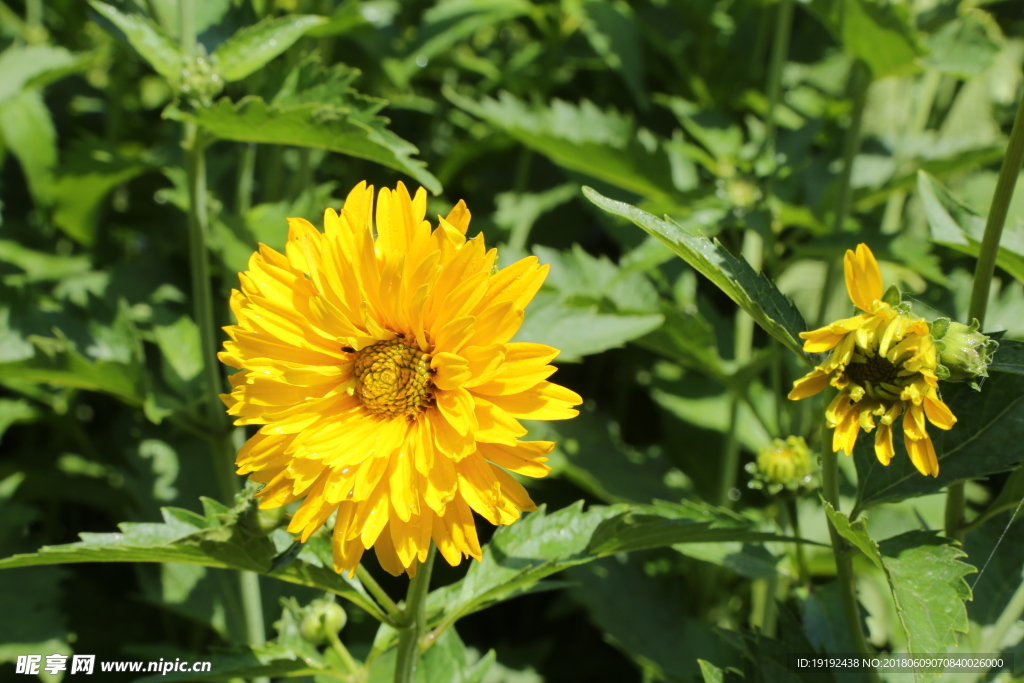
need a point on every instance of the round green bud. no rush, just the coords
(964, 352)
(322, 617)
(199, 80)
(785, 464)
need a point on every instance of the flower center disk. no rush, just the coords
(879, 377)
(393, 379)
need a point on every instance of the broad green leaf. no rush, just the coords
(180, 345)
(224, 538)
(880, 34)
(996, 546)
(40, 266)
(982, 442)
(752, 291)
(58, 364)
(649, 617)
(25, 65)
(155, 46)
(767, 660)
(253, 46)
(600, 144)
(589, 305)
(926, 578)
(1009, 357)
(956, 225)
(520, 555)
(1009, 497)
(963, 47)
(78, 195)
(667, 524)
(29, 133)
(353, 130)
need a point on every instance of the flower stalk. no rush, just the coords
(415, 619)
(983, 272)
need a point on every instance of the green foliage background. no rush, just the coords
(565, 126)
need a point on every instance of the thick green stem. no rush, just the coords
(780, 50)
(415, 619)
(983, 272)
(860, 79)
(202, 297)
(379, 594)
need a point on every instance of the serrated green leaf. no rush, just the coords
(599, 144)
(982, 442)
(28, 131)
(253, 46)
(666, 524)
(926, 578)
(155, 46)
(752, 291)
(880, 34)
(26, 64)
(520, 555)
(78, 195)
(344, 130)
(956, 225)
(227, 539)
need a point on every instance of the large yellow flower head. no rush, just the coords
(379, 368)
(883, 361)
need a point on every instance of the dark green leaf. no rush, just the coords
(356, 132)
(982, 442)
(253, 46)
(666, 524)
(612, 31)
(599, 144)
(752, 291)
(30, 616)
(252, 662)
(447, 660)
(78, 196)
(155, 46)
(926, 578)
(1009, 357)
(996, 546)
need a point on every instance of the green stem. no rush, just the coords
(844, 557)
(860, 78)
(385, 601)
(983, 272)
(202, 295)
(415, 620)
(343, 654)
(246, 171)
(780, 50)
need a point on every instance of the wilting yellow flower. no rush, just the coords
(380, 369)
(884, 363)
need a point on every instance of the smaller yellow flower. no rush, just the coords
(883, 361)
(784, 464)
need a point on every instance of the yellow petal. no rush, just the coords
(883, 444)
(450, 370)
(809, 385)
(922, 454)
(457, 407)
(939, 413)
(525, 457)
(863, 277)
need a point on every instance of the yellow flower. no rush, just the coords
(380, 371)
(884, 362)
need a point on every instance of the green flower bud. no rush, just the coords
(964, 352)
(200, 81)
(785, 464)
(322, 617)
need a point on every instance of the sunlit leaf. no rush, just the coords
(253, 46)
(752, 291)
(926, 577)
(29, 134)
(25, 65)
(155, 46)
(881, 35)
